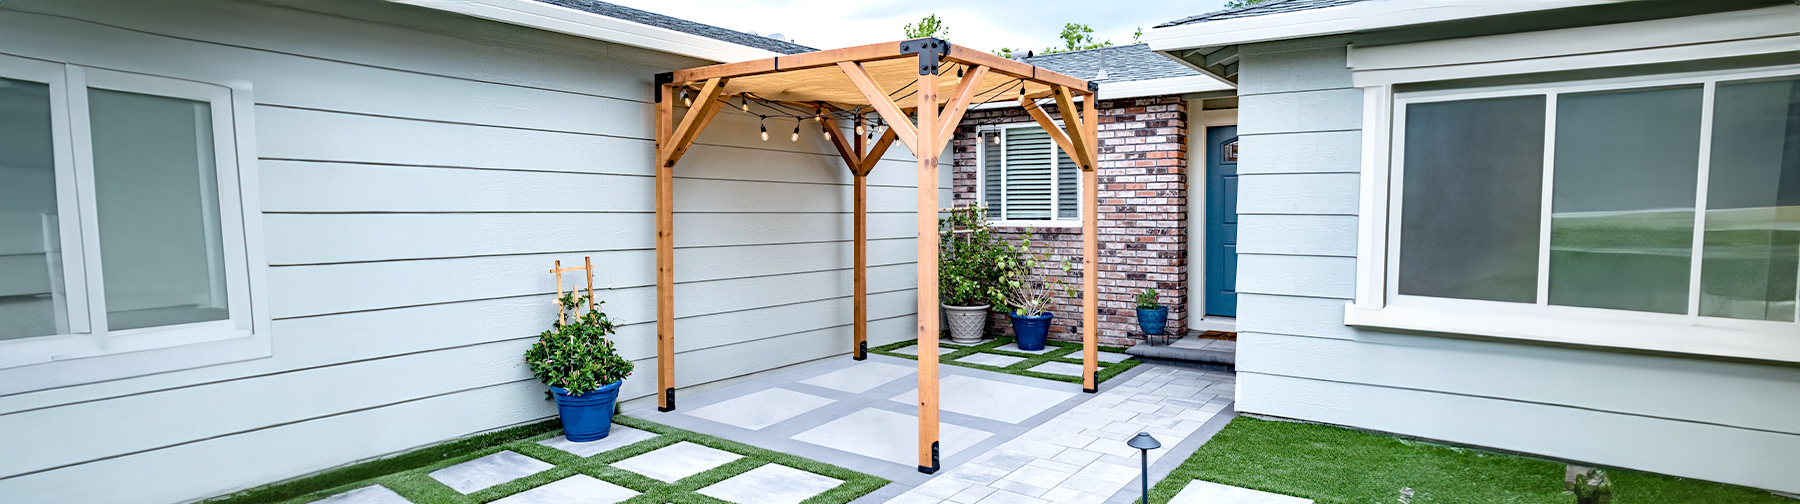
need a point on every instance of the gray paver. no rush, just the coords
(577, 489)
(372, 494)
(909, 350)
(993, 400)
(988, 359)
(761, 409)
(674, 462)
(488, 471)
(618, 437)
(861, 377)
(1061, 368)
(771, 484)
(1208, 492)
(1113, 357)
(1014, 347)
(887, 435)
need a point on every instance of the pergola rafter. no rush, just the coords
(852, 83)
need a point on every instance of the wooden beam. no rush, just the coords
(1090, 122)
(815, 59)
(851, 155)
(958, 105)
(927, 271)
(1065, 103)
(1015, 69)
(876, 151)
(1090, 254)
(1049, 126)
(898, 123)
(698, 116)
(665, 255)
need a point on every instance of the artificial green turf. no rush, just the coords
(1334, 465)
(1064, 352)
(408, 474)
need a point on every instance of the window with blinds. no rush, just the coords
(1026, 177)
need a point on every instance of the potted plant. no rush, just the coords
(971, 265)
(1152, 316)
(1032, 281)
(582, 368)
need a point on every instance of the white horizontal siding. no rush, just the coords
(420, 172)
(1722, 421)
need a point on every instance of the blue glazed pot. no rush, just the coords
(587, 417)
(1153, 321)
(1031, 331)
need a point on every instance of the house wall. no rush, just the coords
(1143, 214)
(1300, 119)
(420, 171)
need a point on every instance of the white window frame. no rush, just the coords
(1055, 191)
(1376, 71)
(85, 351)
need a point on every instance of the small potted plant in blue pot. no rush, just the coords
(583, 370)
(1152, 316)
(1032, 283)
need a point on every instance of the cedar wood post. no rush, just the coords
(665, 251)
(927, 153)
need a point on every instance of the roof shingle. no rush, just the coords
(1259, 9)
(616, 11)
(1134, 62)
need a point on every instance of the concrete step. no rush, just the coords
(1191, 349)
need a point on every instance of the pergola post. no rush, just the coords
(860, 348)
(928, 261)
(1090, 247)
(665, 251)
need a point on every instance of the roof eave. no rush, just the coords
(1338, 20)
(542, 16)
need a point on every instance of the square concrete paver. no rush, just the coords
(577, 489)
(909, 350)
(771, 484)
(1014, 347)
(1061, 368)
(373, 494)
(674, 462)
(1113, 357)
(993, 400)
(488, 471)
(861, 377)
(760, 409)
(988, 359)
(889, 436)
(1208, 492)
(619, 437)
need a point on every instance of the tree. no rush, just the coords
(1233, 4)
(929, 26)
(1005, 52)
(1138, 36)
(1077, 37)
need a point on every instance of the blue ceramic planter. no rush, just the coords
(587, 417)
(1031, 331)
(1153, 321)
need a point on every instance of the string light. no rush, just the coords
(959, 72)
(796, 136)
(765, 131)
(859, 128)
(746, 102)
(685, 100)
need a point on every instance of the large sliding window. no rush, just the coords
(121, 223)
(1673, 196)
(1025, 177)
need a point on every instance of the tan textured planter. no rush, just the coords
(968, 324)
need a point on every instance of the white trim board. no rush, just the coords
(1167, 86)
(1361, 16)
(542, 16)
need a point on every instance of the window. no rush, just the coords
(121, 225)
(1623, 200)
(1025, 177)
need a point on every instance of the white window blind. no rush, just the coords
(1025, 177)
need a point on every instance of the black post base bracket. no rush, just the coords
(668, 393)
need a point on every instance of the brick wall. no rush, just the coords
(1143, 213)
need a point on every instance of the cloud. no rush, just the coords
(979, 24)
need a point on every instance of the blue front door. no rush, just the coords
(1221, 221)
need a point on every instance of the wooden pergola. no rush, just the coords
(852, 83)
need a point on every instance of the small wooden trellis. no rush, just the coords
(561, 316)
(851, 84)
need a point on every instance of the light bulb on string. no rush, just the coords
(959, 72)
(746, 104)
(796, 136)
(765, 131)
(859, 127)
(686, 101)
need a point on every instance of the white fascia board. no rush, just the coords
(1136, 89)
(1356, 17)
(1164, 86)
(542, 16)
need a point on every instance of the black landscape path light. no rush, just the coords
(1144, 443)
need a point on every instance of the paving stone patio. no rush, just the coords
(1206, 492)
(577, 489)
(479, 474)
(770, 484)
(674, 462)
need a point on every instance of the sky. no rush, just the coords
(978, 24)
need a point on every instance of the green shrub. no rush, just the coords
(1146, 300)
(577, 356)
(972, 262)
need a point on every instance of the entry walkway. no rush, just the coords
(1003, 438)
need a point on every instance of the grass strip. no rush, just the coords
(1059, 351)
(409, 474)
(1334, 465)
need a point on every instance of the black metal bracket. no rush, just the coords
(934, 460)
(663, 78)
(1096, 388)
(668, 393)
(862, 350)
(1094, 87)
(930, 51)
